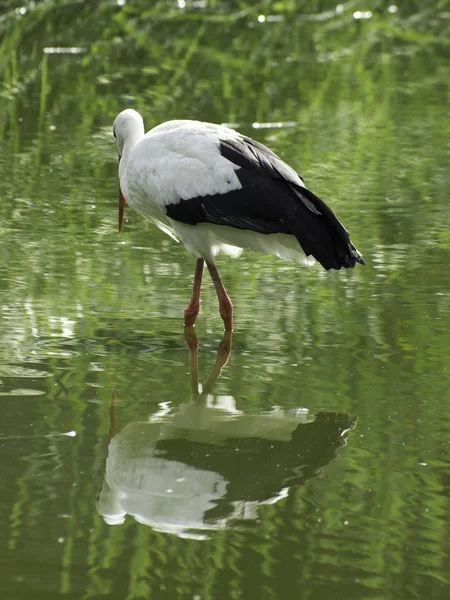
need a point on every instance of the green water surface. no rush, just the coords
(315, 464)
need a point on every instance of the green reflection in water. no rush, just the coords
(364, 103)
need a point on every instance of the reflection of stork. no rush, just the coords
(207, 465)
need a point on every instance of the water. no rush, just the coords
(308, 456)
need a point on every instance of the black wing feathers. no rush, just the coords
(272, 199)
(250, 154)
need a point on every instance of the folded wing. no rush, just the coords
(272, 198)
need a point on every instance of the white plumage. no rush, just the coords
(216, 190)
(179, 160)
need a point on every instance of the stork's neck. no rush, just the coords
(133, 137)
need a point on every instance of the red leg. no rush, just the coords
(193, 308)
(225, 306)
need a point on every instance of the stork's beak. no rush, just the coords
(122, 203)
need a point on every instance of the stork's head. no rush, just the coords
(128, 129)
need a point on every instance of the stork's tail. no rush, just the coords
(321, 234)
(353, 257)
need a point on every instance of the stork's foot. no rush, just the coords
(191, 312)
(226, 312)
(224, 349)
(190, 338)
(223, 355)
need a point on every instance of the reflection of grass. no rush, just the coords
(337, 79)
(374, 170)
(280, 52)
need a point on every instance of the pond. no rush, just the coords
(308, 454)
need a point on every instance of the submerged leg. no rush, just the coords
(193, 308)
(225, 306)
(223, 355)
(112, 417)
(191, 341)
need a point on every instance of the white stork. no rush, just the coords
(217, 190)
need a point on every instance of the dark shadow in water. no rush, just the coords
(208, 466)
